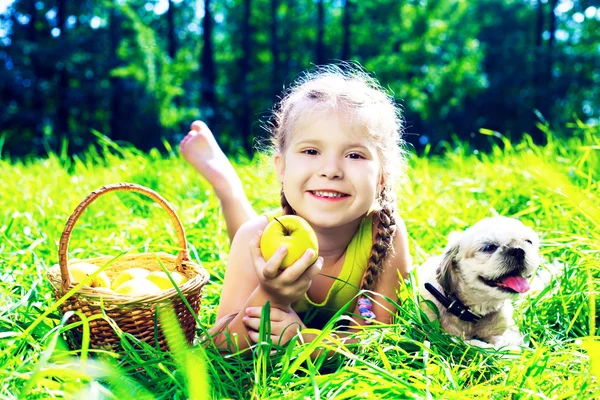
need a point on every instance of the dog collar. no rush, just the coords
(453, 304)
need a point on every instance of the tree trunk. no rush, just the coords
(549, 60)
(244, 63)
(320, 56)
(208, 72)
(117, 90)
(275, 82)
(62, 112)
(171, 30)
(289, 27)
(36, 104)
(346, 24)
(538, 71)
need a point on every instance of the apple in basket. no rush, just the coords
(292, 232)
(160, 279)
(78, 272)
(128, 275)
(137, 286)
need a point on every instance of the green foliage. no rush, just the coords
(454, 66)
(144, 59)
(553, 188)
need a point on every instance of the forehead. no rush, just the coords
(499, 230)
(329, 126)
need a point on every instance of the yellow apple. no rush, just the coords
(137, 286)
(160, 279)
(292, 232)
(80, 271)
(129, 274)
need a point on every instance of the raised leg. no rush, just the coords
(201, 150)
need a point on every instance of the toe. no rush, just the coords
(198, 125)
(188, 137)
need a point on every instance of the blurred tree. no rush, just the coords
(244, 66)
(62, 113)
(428, 55)
(117, 83)
(142, 70)
(275, 79)
(171, 30)
(208, 108)
(346, 29)
(320, 48)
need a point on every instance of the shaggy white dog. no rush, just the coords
(473, 281)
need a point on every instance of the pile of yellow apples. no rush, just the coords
(132, 281)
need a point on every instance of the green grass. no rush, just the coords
(554, 189)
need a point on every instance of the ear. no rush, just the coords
(444, 271)
(279, 165)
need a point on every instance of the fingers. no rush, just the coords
(256, 312)
(272, 267)
(252, 322)
(268, 269)
(302, 265)
(312, 271)
(281, 328)
(255, 337)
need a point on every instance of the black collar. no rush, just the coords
(453, 304)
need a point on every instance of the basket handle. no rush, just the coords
(66, 235)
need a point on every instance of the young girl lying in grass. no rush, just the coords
(337, 153)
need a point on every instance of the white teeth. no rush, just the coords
(327, 194)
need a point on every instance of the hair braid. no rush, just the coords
(285, 206)
(381, 248)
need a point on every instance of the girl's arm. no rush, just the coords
(240, 287)
(250, 281)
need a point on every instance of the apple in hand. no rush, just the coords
(292, 232)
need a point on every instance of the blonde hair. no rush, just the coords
(348, 90)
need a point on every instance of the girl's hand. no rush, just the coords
(284, 325)
(287, 286)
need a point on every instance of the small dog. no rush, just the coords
(472, 283)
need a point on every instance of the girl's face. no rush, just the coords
(330, 171)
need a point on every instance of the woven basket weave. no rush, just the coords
(133, 314)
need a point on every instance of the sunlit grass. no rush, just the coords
(553, 188)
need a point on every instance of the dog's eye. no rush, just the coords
(489, 248)
(528, 241)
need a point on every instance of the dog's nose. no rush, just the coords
(516, 252)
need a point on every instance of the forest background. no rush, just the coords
(141, 71)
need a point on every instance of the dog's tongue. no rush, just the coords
(516, 283)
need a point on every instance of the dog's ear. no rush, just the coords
(444, 271)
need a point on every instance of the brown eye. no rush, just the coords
(310, 152)
(528, 241)
(355, 156)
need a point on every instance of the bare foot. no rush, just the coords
(201, 150)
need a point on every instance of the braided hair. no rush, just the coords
(285, 206)
(382, 246)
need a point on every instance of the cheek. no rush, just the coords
(478, 265)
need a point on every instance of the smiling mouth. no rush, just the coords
(510, 283)
(327, 194)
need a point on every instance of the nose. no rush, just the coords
(331, 168)
(517, 253)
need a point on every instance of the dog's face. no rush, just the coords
(494, 259)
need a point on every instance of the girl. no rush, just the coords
(337, 154)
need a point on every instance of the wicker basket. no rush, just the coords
(133, 314)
